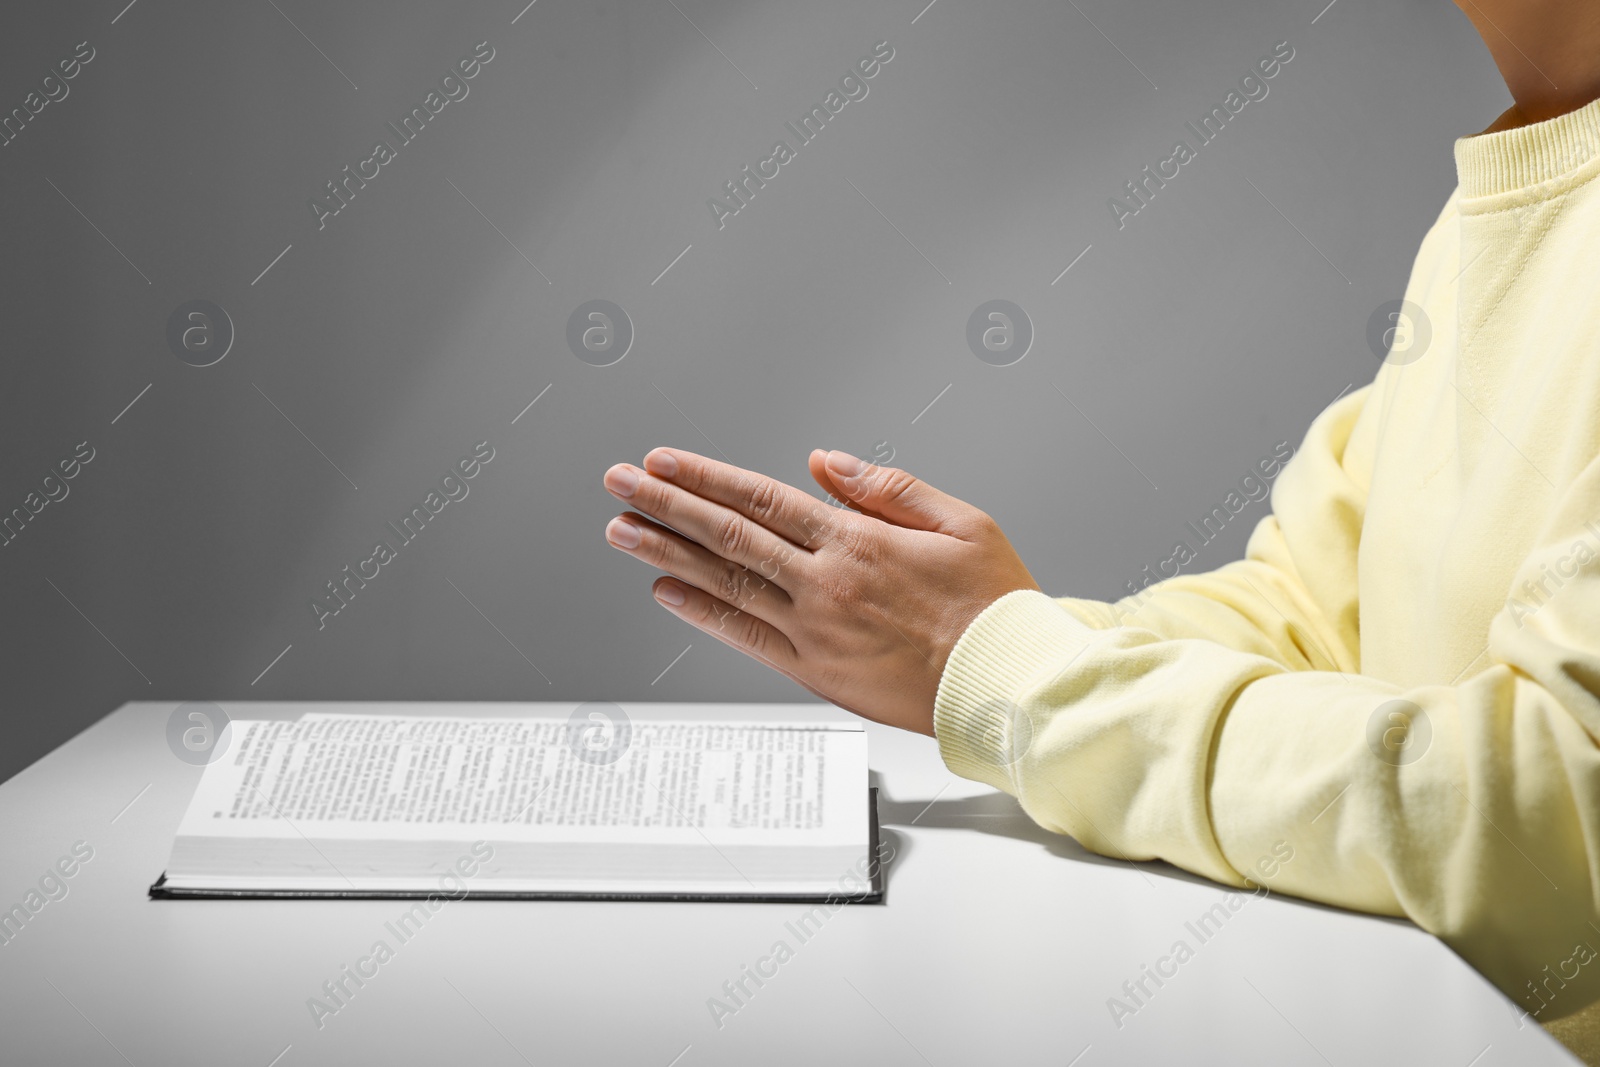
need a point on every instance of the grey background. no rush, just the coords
(183, 560)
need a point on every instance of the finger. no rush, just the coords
(722, 530)
(754, 637)
(817, 463)
(900, 498)
(682, 558)
(783, 509)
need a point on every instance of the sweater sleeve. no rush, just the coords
(1221, 728)
(1293, 597)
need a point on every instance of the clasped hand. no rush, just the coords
(860, 607)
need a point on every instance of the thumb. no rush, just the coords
(893, 495)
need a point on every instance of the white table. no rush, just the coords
(999, 944)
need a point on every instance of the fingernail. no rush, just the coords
(844, 464)
(622, 480)
(622, 533)
(670, 595)
(663, 463)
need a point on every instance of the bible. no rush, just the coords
(679, 802)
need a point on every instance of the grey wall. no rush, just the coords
(1216, 323)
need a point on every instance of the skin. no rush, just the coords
(1548, 52)
(862, 607)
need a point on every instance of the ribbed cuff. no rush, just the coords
(1021, 639)
(1503, 162)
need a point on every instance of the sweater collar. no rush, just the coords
(1502, 162)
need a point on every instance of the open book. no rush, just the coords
(716, 803)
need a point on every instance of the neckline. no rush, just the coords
(1509, 160)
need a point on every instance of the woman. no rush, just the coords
(1399, 685)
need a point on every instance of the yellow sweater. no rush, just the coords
(1399, 686)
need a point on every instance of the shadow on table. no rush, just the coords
(1000, 814)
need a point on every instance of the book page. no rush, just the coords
(525, 779)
